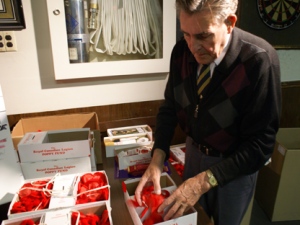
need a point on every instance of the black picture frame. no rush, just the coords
(11, 15)
(250, 20)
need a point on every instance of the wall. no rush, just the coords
(25, 90)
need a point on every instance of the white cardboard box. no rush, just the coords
(47, 168)
(56, 144)
(16, 198)
(62, 195)
(177, 153)
(61, 216)
(104, 186)
(166, 183)
(125, 141)
(130, 130)
(132, 156)
(11, 174)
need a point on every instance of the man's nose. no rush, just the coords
(195, 45)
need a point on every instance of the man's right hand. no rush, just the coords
(152, 173)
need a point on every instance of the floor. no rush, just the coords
(259, 218)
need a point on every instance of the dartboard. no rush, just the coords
(279, 14)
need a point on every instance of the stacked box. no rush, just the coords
(57, 151)
(129, 187)
(62, 192)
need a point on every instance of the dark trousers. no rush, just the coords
(226, 205)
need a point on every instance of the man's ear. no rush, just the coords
(230, 22)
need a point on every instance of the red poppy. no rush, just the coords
(151, 202)
(28, 222)
(90, 219)
(91, 188)
(33, 196)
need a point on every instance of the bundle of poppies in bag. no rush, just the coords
(151, 201)
(92, 187)
(79, 218)
(33, 196)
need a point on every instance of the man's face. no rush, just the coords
(205, 39)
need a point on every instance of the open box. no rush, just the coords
(55, 144)
(59, 122)
(63, 193)
(61, 216)
(129, 187)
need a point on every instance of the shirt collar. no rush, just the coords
(223, 53)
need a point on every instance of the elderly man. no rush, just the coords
(224, 91)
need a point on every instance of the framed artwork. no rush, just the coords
(275, 21)
(11, 15)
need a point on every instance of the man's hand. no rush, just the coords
(185, 196)
(152, 173)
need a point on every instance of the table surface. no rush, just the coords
(119, 212)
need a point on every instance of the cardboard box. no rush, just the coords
(166, 183)
(56, 144)
(64, 193)
(131, 130)
(96, 156)
(94, 208)
(61, 216)
(18, 220)
(11, 174)
(125, 141)
(37, 211)
(177, 153)
(132, 156)
(93, 191)
(47, 168)
(277, 190)
(58, 122)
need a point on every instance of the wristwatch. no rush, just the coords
(211, 178)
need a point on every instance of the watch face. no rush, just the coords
(213, 181)
(278, 14)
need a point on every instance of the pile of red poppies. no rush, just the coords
(92, 187)
(33, 196)
(90, 219)
(81, 218)
(151, 202)
(29, 222)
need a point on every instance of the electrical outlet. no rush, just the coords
(10, 41)
(2, 42)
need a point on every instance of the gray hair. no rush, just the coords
(220, 9)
